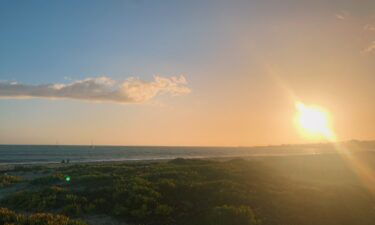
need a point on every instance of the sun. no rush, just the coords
(314, 122)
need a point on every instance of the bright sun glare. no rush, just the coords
(314, 121)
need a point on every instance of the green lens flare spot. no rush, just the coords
(67, 178)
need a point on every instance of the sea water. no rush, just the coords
(25, 154)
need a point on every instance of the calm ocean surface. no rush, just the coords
(18, 154)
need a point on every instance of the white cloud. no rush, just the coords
(370, 48)
(99, 89)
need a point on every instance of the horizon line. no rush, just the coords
(196, 146)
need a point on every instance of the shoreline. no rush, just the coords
(11, 166)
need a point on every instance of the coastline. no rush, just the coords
(94, 191)
(11, 166)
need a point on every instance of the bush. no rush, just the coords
(48, 180)
(232, 215)
(10, 217)
(6, 180)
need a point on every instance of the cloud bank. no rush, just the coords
(99, 89)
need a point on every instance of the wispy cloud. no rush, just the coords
(99, 89)
(342, 15)
(339, 16)
(369, 27)
(370, 48)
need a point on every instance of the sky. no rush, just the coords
(171, 72)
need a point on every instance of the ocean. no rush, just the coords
(32, 154)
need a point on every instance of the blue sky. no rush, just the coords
(50, 41)
(229, 52)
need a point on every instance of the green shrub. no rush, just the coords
(232, 215)
(163, 210)
(48, 180)
(7, 180)
(10, 217)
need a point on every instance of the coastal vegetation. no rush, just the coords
(320, 189)
(10, 217)
(6, 180)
